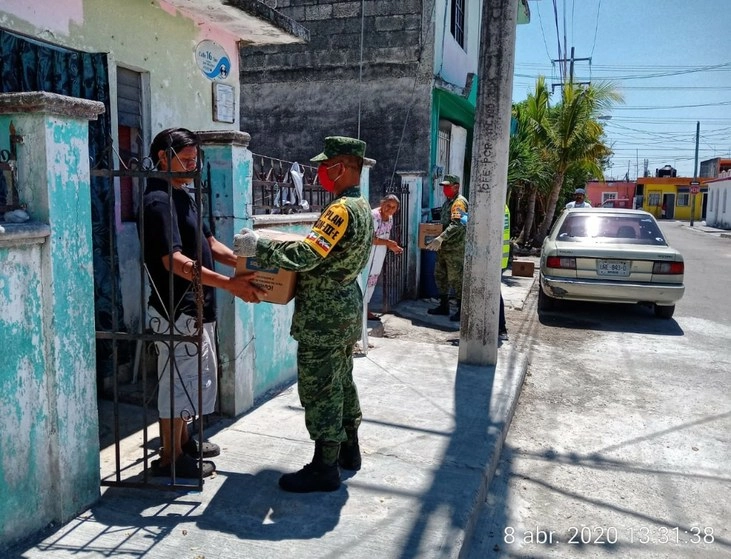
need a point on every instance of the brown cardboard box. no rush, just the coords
(523, 268)
(279, 284)
(427, 232)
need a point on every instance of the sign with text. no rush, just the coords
(213, 60)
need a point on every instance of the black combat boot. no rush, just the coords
(321, 474)
(443, 307)
(457, 315)
(349, 457)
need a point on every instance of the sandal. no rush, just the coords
(185, 466)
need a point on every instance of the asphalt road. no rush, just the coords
(620, 444)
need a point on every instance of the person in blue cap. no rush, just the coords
(327, 319)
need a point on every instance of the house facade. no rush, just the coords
(399, 75)
(74, 81)
(672, 197)
(599, 192)
(719, 205)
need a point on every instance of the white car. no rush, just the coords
(610, 255)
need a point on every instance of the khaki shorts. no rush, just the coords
(185, 366)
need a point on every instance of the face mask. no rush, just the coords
(325, 180)
(449, 191)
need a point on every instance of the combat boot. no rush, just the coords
(349, 457)
(321, 474)
(443, 307)
(456, 317)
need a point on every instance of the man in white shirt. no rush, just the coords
(579, 200)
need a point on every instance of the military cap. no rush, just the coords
(450, 179)
(341, 145)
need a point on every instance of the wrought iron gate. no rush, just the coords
(137, 171)
(395, 267)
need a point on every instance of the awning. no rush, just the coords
(252, 21)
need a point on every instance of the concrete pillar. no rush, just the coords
(227, 157)
(50, 435)
(414, 181)
(488, 189)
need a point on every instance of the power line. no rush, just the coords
(596, 28)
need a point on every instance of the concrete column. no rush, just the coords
(50, 439)
(483, 249)
(414, 181)
(229, 160)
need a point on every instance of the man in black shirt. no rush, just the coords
(172, 237)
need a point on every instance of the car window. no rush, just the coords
(611, 229)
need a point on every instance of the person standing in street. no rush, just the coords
(382, 225)
(450, 245)
(171, 241)
(327, 319)
(579, 200)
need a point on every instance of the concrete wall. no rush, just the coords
(719, 204)
(49, 445)
(293, 96)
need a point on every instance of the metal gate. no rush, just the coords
(136, 471)
(394, 274)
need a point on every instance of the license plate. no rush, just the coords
(613, 267)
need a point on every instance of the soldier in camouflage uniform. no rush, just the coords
(327, 318)
(450, 244)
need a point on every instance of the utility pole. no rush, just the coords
(695, 184)
(571, 61)
(488, 189)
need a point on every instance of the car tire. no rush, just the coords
(664, 311)
(545, 303)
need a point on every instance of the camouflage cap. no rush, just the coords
(449, 179)
(341, 145)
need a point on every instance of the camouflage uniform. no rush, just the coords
(327, 318)
(450, 258)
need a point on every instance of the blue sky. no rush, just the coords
(658, 53)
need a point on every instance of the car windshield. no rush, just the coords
(611, 229)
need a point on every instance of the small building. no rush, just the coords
(713, 168)
(670, 197)
(719, 206)
(599, 192)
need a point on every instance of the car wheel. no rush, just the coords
(545, 303)
(664, 311)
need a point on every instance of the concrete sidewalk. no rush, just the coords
(431, 437)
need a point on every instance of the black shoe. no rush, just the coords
(456, 317)
(349, 456)
(209, 449)
(503, 336)
(440, 310)
(185, 466)
(312, 478)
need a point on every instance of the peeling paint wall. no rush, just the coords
(49, 442)
(142, 35)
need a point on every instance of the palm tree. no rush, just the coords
(570, 135)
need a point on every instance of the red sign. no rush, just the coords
(694, 189)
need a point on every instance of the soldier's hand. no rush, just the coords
(245, 243)
(242, 287)
(436, 244)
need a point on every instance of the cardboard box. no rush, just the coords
(523, 268)
(279, 284)
(427, 232)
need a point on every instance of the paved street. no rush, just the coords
(620, 442)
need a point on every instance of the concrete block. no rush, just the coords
(523, 268)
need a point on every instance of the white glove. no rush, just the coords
(245, 243)
(436, 243)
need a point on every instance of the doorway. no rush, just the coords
(668, 204)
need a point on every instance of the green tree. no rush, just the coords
(570, 136)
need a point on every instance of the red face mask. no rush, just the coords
(449, 191)
(325, 180)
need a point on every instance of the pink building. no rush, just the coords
(598, 192)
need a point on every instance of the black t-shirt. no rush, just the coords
(166, 233)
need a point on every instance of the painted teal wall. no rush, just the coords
(49, 441)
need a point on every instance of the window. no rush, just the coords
(653, 199)
(129, 116)
(457, 27)
(683, 199)
(608, 196)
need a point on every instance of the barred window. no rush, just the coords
(457, 27)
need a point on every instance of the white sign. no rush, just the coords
(224, 102)
(213, 60)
